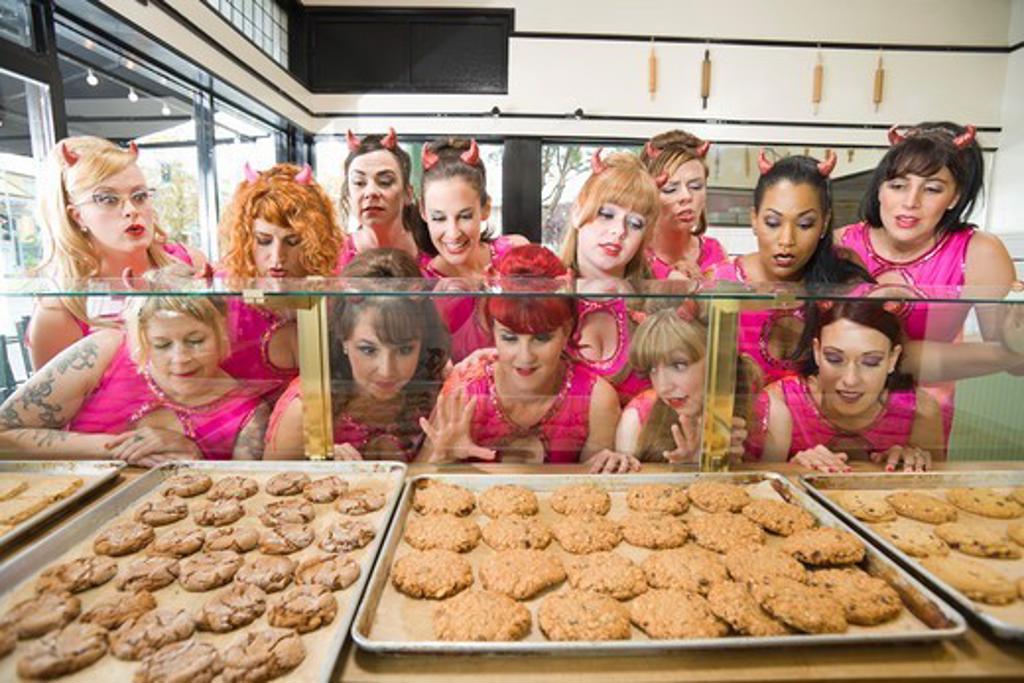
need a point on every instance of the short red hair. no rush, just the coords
(527, 314)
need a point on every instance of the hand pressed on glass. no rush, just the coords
(914, 459)
(822, 459)
(449, 429)
(150, 446)
(610, 462)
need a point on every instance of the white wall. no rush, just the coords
(1006, 187)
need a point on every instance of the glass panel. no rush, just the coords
(16, 22)
(240, 139)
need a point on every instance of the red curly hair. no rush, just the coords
(530, 314)
(275, 197)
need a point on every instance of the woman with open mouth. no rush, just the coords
(850, 400)
(387, 357)
(679, 248)
(526, 398)
(280, 225)
(612, 222)
(453, 243)
(99, 221)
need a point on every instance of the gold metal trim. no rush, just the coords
(719, 384)
(315, 374)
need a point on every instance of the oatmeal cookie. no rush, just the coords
(778, 517)
(123, 538)
(654, 530)
(359, 501)
(866, 600)
(208, 570)
(724, 531)
(1016, 532)
(688, 568)
(336, 572)
(8, 639)
(271, 574)
(239, 539)
(77, 575)
(1018, 494)
(752, 565)
(586, 533)
(575, 499)
(347, 535)
(508, 499)
(43, 613)
(324, 489)
(922, 507)
(71, 649)
(606, 573)
(521, 574)
(974, 579)
(985, 502)
(218, 512)
(664, 498)
(667, 613)
(192, 661)
(259, 656)
(481, 615)
(179, 542)
(804, 608)
(824, 546)
(144, 635)
(579, 615)
(148, 573)
(113, 612)
(913, 540)
(288, 511)
(425, 532)
(732, 603)
(187, 484)
(233, 488)
(304, 608)
(717, 496)
(506, 533)
(863, 506)
(431, 495)
(977, 540)
(234, 607)
(162, 511)
(435, 574)
(285, 539)
(287, 484)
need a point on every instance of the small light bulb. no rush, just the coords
(132, 95)
(90, 78)
(165, 110)
(129, 64)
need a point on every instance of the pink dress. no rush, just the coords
(462, 314)
(755, 327)
(643, 404)
(711, 254)
(349, 252)
(624, 379)
(407, 435)
(250, 330)
(563, 430)
(127, 393)
(811, 428)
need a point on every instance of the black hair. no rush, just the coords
(373, 143)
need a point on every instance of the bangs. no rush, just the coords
(921, 156)
(525, 315)
(664, 336)
(625, 183)
(398, 321)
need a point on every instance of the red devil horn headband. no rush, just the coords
(763, 163)
(895, 136)
(597, 164)
(70, 158)
(966, 138)
(702, 149)
(429, 158)
(305, 176)
(353, 141)
(826, 167)
(651, 151)
(251, 175)
(472, 155)
(133, 149)
(390, 140)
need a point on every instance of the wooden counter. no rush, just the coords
(973, 657)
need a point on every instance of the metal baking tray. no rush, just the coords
(991, 616)
(27, 564)
(936, 619)
(94, 474)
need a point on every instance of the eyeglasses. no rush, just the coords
(112, 202)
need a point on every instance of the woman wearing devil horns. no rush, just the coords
(679, 247)
(97, 212)
(377, 194)
(280, 224)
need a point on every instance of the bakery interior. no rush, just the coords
(771, 536)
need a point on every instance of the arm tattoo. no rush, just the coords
(249, 445)
(36, 394)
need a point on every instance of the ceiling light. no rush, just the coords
(129, 64)
(165, 110)
(132, 95)
(90, 78)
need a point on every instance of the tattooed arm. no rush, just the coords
(33, 418)
(249, 445)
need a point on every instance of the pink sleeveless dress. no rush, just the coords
(250, 329)
(563, 430)
(625, 380)
(811, 428)
(755, 327)
(127, 393)
(711, 254)
(643, 404)
(462, 314)
(938, 273)
(406, 435)
(349, 252)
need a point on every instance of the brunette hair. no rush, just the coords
(375, 143)
(449, 163)
(529, 314)
(276, 197)
(666, 152)
(827, 265)
(924, 150)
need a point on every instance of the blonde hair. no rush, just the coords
(69, 253)
(142, 309)
(626, 183)
(675, 148)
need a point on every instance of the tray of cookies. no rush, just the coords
(962, 533)
(32, 491)
(243, 571)
(618, 564)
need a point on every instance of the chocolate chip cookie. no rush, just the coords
(985, 502)
(63, 652)
(521, 574)
(913, 540)
(434, 574)
(864, 506)
(218, 512)
(233, 488)
(654, 530)
(432, 496)
(732, 603)
(77, 575)
(123, 538)
(577, 499)
(778, 517)
(179, 542)
(304, 608)
(271, 574)
(606, 573)
(717, 496)
(359, 501)
(725, 531)
(481, 616)
(579, 615)
(977, 540)
(285, 539)
(262, 655)
(824, 547)
(192, 661)
(586, 533)
(866, 600)
(804, 608)
(1015, 531)
(975, 580)
(113, 612)
(922, 507)
(508, 499)
(234, 607)
(208, 570)
(425, 532)
(346, 535)
(506, 533)
(162, 511)
(335, 572)
(239, 539)
(324, 489)
(689, 568)
(287, 484)
(43, 613)
(664, 498)
(288, 511)
(667, 613)
(148, 573)
(187, 484)
(144, 635)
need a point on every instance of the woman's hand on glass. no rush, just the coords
(914, 459)
(610, 462)
(150, 446)
(345, 451)
(822, 459)
(449, 429)
(686, 433)
(737, 439)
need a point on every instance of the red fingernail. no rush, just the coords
(890, 468)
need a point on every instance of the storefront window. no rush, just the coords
(240, 140)
(16, 22)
